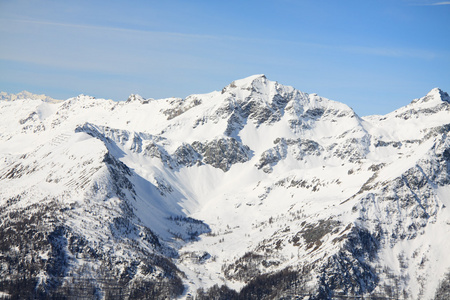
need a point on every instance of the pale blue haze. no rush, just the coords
(374, 55)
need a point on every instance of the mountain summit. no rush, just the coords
(257, 191)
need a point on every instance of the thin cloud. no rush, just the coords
(427, 3)
(110, 28)
(158, 49)
(391, 52)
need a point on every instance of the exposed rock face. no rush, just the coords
(223, 153)
(298, 149)
(258, 191)
(179, 106)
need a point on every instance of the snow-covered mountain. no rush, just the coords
(255, 191)
(26, 95)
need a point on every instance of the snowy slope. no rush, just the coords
(233, 188)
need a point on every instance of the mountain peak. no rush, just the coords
(250, 79)
(439, 94)
(136, 98)
(81, 97)
(435, 95)
(246, 83)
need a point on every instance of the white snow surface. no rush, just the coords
(326, 159)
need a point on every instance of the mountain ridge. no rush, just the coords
(4, 96)
(258, 184)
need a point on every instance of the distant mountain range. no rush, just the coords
(26, 95)
(257, 191)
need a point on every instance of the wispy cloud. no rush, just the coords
(128, 51)
(109, 28)
(432, 4)
(391, 52)
(114, 49)
(426, 3)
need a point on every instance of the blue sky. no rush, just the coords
(374, 55)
